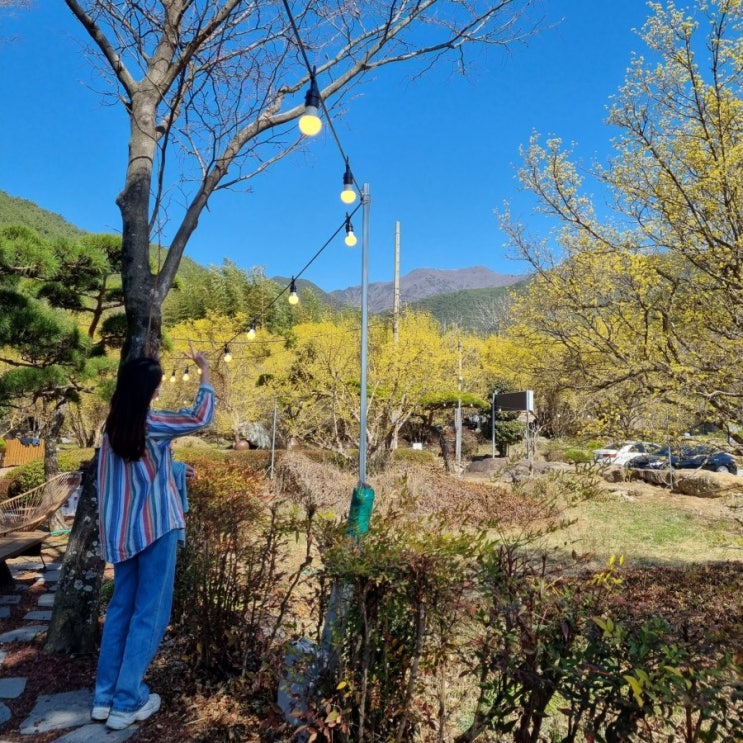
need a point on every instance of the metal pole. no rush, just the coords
(273, 437)
(458, 418)
(396, 288)
(365, 202)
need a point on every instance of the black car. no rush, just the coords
(688, 458)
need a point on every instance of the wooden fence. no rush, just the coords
(20, 451)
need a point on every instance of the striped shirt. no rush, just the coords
(138, 502)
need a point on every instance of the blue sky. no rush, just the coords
(439, 153)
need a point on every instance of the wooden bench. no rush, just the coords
(18, 544)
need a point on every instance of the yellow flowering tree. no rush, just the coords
(644, 300)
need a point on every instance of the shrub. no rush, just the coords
(578, 456)
(30, 475)
(232, 584)
(413, 456)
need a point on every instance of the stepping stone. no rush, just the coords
(12, 688)
(46, 599)
(48, 578)
(39, 616)
(96, 732)
(5, 713)
(10, 600)
(23, 634)
(4, 612)
(65, 710)
(3, 656)
(27, 566)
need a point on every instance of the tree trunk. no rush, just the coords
(51, 435)
(74, 627)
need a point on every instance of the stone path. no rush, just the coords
(68, 712)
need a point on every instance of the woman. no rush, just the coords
(140, 521)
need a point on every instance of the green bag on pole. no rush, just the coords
(362, 503)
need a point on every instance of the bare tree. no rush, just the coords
(492, 315)
(211, 88)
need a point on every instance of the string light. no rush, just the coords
(251, 331)
(293, 297)
(348, 195)
(172, 377)
(309, 122)
(227, 355)
(350, 237)
(186, 375)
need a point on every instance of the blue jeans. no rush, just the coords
(136, 620)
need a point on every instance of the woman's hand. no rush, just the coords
(199, 358)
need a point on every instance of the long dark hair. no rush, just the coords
(127, 420)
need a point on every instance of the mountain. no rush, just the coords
(474, 298)
(48, 224)
(422, 283)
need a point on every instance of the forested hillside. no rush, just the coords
(48, 224)
(480, 311)
(201, 288)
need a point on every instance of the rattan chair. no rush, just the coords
(28, 510)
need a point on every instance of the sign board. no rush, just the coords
(514, 402)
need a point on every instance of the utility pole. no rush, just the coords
(396, 289)
(458, 421)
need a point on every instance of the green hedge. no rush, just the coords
(30, 475)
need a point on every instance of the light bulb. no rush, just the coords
(251, 332)
(348, 195)
(186, 375)
(172, 377)
(350, 237)
(198, 370)
(227, 355)
(309, 121)
(293, 298)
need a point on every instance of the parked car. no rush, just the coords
(688, 458)
(621, 454)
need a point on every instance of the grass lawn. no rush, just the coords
(655, 528)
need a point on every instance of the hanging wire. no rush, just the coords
(311, 73)
(346, 220)
(341, 227)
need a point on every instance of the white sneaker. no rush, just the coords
(100, 714)
(120, 720)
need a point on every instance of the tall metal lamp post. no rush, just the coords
(362, 501)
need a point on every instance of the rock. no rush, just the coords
(699, 483)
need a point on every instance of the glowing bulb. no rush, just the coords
(227, 355)
(309, 121)
(348, 195)
(350, 237)
(293, 298)
(172, 377)
(186, 375)
(251, 332)
(198, 370)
